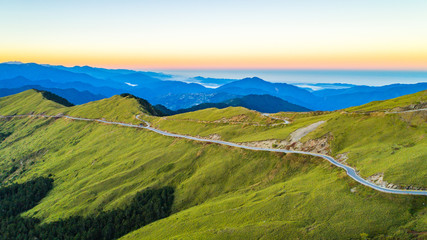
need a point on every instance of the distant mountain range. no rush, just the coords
(71, 94)
(83, 84)
(261, 103)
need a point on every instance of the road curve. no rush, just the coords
(350, 171)
(284, 120)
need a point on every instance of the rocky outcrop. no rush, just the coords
(342, 158)
(319, 145)
(378, 179)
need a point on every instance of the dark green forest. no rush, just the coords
(147, 206)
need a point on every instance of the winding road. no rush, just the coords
(350, 171)
(284, 120)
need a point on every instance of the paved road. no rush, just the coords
(350, 171)
(284, 120)
(407, 111)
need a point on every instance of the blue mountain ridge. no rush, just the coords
(87, 83)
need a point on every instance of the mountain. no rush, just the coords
(261, 103)
(70, 94)
(210, 82)
(103, 73)
(122, 108)
(100, 73)
(284, 91)
(266, 104)
(137, 78)
(158, 88)
(187, 100)
(147, 85)
(18, 82)
(34, 71)
(407, 102)
(31, 101)
(95, 173)
(333, 99)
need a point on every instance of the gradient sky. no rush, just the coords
(221, 34)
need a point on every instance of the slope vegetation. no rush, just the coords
(31, 101)
(122, 107)
(220, 192)
(384, 138)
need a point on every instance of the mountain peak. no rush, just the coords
(253, 80)
(54, 98)
(31, 101)
(122, 108)
(12, 62)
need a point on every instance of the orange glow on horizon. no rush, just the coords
(353, 61)
(152, 35)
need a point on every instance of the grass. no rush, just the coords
(195, 123)
(375, 142)
(393, 144)
(221, 192)
(100, 165)
(30, 101)
(117, 108)
(294, 209)
(236, 114)
(403, 101)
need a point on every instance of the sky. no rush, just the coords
(221, 34)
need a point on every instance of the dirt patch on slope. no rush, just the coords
(319, 145)
(378, 179)
(300, 133)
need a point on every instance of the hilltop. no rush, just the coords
(122, 107)
(32, 101)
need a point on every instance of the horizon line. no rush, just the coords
(228, 68)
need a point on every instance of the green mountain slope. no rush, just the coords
(377, 140)
(122, 107)
(31, 101)
(371, 140)
(220, 192)
(407, 102)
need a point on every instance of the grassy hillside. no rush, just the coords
(117, 108)
(374, 143)
(378, 143)
(294, 209)
(235, 124)
(97, 159)
(213, 114)
(223, 190)
(31, 101)
(220, 192)
(400, 102)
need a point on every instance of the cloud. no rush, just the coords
(132, 85)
